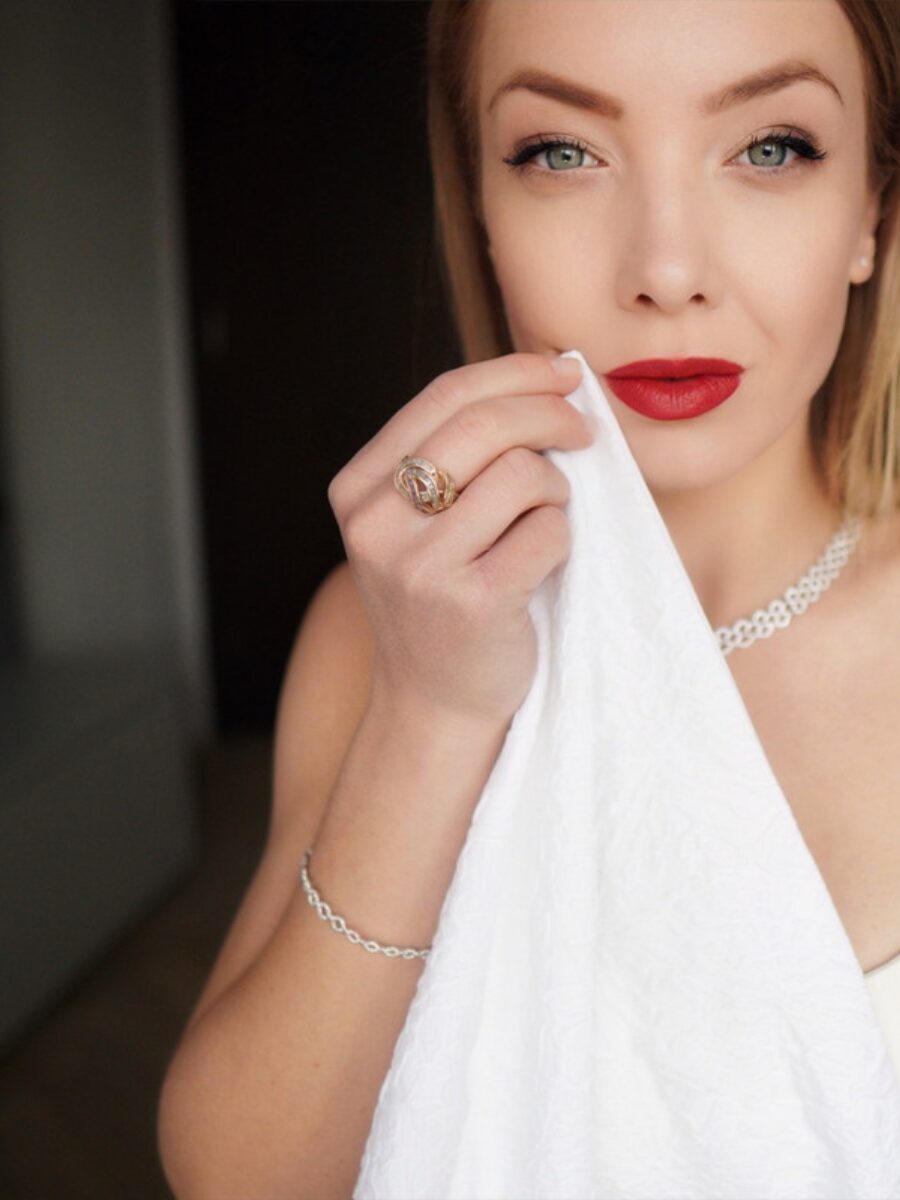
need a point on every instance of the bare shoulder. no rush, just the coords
(323, 697)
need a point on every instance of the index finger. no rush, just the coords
(520, 373)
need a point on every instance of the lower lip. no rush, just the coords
(674, 400)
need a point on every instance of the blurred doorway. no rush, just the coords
(316, 310)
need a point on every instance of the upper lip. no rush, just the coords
(675, 368)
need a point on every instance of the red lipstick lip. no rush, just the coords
(674, 368)
(674, 399)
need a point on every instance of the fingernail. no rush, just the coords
(593, 423)
(569, 367)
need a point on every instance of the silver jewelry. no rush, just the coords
(798, 598)
(339, 925)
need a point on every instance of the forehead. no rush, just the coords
(665, 55)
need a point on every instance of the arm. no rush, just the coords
(272, 1089)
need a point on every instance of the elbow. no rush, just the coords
(202, 1157)
(176, 1149)
(192, 1148)
(192, 1168)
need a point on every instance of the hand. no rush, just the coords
(447, 594)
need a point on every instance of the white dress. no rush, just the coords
(883, 984)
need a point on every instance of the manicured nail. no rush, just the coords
(568, 367)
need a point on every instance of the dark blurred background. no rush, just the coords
(314, 301)
(218, 279)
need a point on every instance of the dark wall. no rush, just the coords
(12, 633)
(316, 307)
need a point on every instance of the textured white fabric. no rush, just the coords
(884, 987)
(639, 986)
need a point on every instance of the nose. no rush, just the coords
(668, 255)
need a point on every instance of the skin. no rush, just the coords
(668, 238)
(669, 248)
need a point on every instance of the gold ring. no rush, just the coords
(430, 489)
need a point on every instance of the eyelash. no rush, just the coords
(806, 147)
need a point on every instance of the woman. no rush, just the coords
(737, 201)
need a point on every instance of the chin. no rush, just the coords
(675, 456)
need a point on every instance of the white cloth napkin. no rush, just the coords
(639, 986)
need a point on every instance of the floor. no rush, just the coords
(78, 1094)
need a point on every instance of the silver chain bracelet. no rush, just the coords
(339, 925)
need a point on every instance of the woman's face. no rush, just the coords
(665, 237)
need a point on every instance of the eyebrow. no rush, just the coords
(758, 83)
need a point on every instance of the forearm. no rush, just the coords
(273, 1090)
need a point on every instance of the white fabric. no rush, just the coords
(883, 984)
(639, 986)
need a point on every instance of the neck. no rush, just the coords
(745, 539)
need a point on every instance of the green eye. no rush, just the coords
(773, 144)
(767, 153)
(767, 146)
(571, 154)
(565, 154)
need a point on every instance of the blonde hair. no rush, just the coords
(854, 424)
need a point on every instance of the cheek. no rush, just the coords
(790, 282)
(555, 275)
